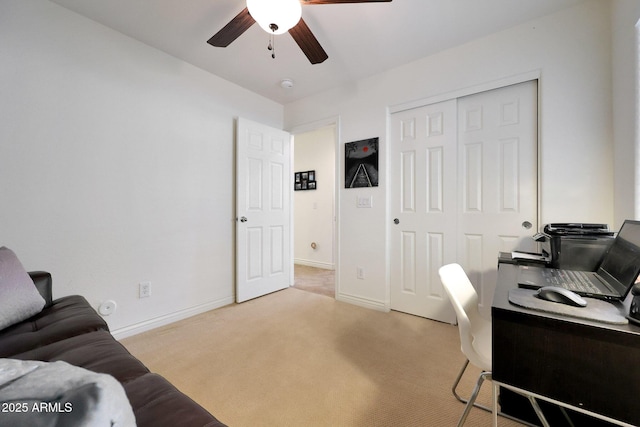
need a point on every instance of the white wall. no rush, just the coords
(313, 209)
(572, 52)
(115, 165)
(625, 16)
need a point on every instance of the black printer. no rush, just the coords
(575, 246)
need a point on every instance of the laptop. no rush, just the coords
(614, 278)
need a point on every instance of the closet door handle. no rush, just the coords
(396, 221)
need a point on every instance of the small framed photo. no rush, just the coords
(305, 180)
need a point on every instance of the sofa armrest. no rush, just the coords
(44, 284)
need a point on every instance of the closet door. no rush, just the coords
(463, 177)
(497, 158)
(423, 208)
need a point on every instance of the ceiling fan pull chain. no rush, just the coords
(272, 46)
(272, 40)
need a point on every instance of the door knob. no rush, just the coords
(396, 221)
(243, 219)
(527, 225)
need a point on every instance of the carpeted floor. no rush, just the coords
(295, 358)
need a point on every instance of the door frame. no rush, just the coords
(455, 94)
(310, 127)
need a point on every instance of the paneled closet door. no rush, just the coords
(463, 188)
(497, 158)
(423, 208)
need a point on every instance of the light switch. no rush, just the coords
(364, 201)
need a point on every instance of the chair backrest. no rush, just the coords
(471, 325)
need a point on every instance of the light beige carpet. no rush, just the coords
(294, 358)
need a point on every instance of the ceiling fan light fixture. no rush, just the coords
(275, 16)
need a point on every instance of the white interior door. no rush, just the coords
(263, 213)
(497, 155)
(464, 187)
(423, 205)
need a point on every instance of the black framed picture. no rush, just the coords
(361, 163)
(305, 180)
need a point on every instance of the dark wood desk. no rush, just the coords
(588, 365)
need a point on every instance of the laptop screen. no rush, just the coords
(622, 260)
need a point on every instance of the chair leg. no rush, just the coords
(473, 397)
(457, 381)
(455, 387)
(462, 399)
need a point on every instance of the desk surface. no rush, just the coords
(507, 279)
(587, 364)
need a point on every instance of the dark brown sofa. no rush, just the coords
(69, 329)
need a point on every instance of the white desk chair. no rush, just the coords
(475, 334)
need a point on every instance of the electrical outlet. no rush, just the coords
(144, 289)
(361, 273)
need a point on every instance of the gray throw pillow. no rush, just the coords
(46, 394)
(19, 298)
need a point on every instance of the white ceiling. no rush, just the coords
(360, 39)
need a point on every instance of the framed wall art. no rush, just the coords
(305, 181)
(361, 163)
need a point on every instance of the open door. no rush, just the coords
(263, 214)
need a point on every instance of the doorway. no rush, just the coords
(314, 210)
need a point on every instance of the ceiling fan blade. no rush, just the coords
(340, 1)
(308, 43)
(232, 30)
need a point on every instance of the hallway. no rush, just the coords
(317, 280)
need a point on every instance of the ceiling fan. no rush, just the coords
(278, 17)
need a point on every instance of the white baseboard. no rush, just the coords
(316, 264)
(147, 325)
(362, 302)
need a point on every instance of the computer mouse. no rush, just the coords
(561, 295)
